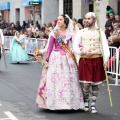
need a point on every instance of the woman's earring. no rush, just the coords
(65, 25)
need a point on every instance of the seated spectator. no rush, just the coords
(81, 22)
(6, 26)
(75, 27)
(8, 33)
(12, 26)
(2, 25)
(31, 24)
(115, 40)
(22, 35)
(38, 25)
(24, 25)
(11, 32)
(5, 32)
(49, 26)
(84, 23)
(79, 26)
(43, 27)
(108, 24)
(47, 32)
(117, 19)
(18, 26)
(35, 28)
(37, 35)
(14, 32)
(26, 33)
(43, 35)
(31, 35)
(116, 28)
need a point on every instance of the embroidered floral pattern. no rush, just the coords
(61, 89)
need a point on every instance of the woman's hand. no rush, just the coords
(45, 64)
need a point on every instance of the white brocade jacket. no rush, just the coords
(90, 39)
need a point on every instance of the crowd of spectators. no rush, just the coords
(35, 30)
(112, 28)
(112, 31)
(31, 29)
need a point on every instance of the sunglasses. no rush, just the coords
(115, 25)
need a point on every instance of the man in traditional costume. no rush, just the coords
(91, 64)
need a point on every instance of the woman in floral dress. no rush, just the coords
(59, 87)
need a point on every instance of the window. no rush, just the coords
(118, 8)
(91, 6)
(67, 7)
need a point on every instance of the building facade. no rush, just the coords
(79, 8)
(5, 11)
(48, 10)
(20, 10)
(13, 12)
(32, 12)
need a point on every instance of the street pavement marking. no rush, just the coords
(0, 104)
(10, 116)
(5, 119)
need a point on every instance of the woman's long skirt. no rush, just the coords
(59, 87)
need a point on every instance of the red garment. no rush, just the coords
(91, 70)
(111, 62)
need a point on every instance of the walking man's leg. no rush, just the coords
(86, 93)
(95, 91)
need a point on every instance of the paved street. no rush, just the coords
(18, 89)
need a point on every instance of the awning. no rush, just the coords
(35, 1)
(4, 5)
(25, 3)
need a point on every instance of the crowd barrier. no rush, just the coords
(7, 42)
(114, 64)
(31, 44)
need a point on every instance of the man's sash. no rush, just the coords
(64, 46)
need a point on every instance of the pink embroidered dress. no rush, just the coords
(59, 87)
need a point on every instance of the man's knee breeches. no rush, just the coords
(86, 92)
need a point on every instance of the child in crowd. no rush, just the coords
(115, 40)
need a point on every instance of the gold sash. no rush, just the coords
(65, 47)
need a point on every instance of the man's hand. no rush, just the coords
(105, 65)
(110, 28)
(3, 50)
(88, 53)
